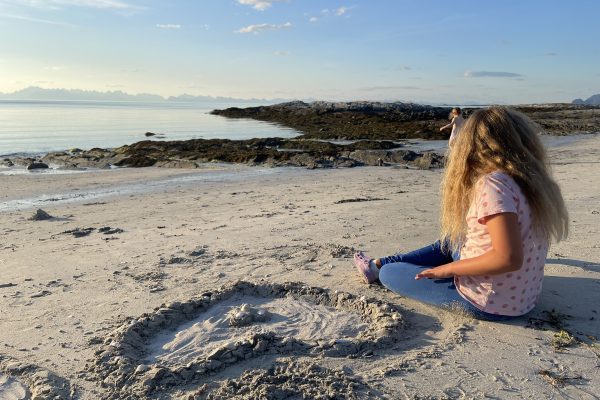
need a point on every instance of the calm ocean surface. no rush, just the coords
(42, 126)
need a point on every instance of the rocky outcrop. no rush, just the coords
(564, 119)
(40, 215)
(351, 120)
(394, 121)
(267, 151)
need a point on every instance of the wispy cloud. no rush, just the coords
(282, 53)
(97, 4)
(33, 19)
(551, 54)
(56, 4)
(260, 5)
(258, 28)
(341, 11)
(313, 19)
(168, 26)
(380, 88)
(338, 12)
(399, 68)
(491, 74)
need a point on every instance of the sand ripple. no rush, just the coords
(289, 317)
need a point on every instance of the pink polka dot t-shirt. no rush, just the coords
(513, 293)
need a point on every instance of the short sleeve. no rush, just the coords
(495, 196)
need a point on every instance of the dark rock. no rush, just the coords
(79, 232)
(40, 215)
(107, 230)
(359, 199)
(37, 165)
(148, 134)
(7, 162)
(138, 161)
(429, 161)
(198, 252)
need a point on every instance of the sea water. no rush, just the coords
(30, 127)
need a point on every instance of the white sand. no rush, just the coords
(282, 226)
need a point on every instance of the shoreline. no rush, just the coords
(155, 180)
(64, 162)
(331, 135)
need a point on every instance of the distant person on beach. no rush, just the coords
(456, 123)
(500, 207)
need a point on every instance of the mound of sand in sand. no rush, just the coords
(245, 315)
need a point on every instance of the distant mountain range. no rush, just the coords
(591, 101)
(37, 93)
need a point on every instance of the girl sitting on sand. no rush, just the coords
(499, 209)
(456, 123)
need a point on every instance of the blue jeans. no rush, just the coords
(398, 274)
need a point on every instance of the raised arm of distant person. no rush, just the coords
(443, 128)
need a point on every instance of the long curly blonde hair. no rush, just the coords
(500, 139)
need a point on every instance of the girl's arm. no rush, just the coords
(449, 125)
(506, 254)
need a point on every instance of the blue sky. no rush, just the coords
(420, 50)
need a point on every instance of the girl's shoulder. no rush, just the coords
(496, 178)
(499, 175)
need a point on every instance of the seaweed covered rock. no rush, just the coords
(307, 153)
(393, 121)
(351, 120)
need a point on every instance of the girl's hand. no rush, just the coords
(442, 272)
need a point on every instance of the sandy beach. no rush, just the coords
(76, 290)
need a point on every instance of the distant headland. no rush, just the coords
(33, 93)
